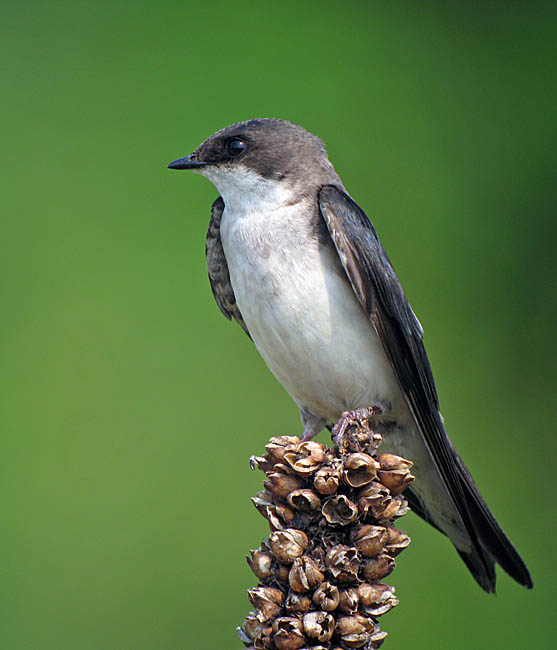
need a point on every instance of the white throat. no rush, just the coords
(245, 191)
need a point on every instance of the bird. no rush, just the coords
(295, 261)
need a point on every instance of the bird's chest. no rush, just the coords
(302, 314)
(275, 270)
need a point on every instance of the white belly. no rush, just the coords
(304, 317)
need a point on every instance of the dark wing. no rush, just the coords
(217, 268)
(380, 294)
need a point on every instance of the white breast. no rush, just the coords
(298, 305)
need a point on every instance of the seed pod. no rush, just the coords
(280, 485)
(397, 507)
(254, 628)
(287, 633)
(288, 544)
(304, 574)
(349, 600)
(261, 564)
(398, 541)
(306, 458)
(319, 625)
(279, 445)
(304, 500)
(297, 603)
(395, 472)
(370, 540)
(326, 480)
(339, 510)
(359, 469)
(342, 563)
(354, 630)
(267, 601)
(377, 599)
(326, 596)
(372, 498)
(379, 567)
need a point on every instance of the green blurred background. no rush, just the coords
(130, 406)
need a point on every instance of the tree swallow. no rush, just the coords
(298, 264)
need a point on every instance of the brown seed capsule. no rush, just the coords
(326, 596)
(359, 469)
(304, 574)
(261, 564)
(319, 625)
(267, 601)
(377, 599)
(355, 631)
(275, 522)
(377, 637)
(288, 544)
(298, 603)
(390, 462)
(374, 496)
(306, 458)
(370, 540)
(254, 628)
(279, 445)
(397, 507)
(379, 567)
(304, 500)
(396, 480)
(342, 563)
(349, 600)
(283, 572)
(398, 541)
(326, 480)
(262, 500)
(287, 633)
(280, 485)
(339, 510)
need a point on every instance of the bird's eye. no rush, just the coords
(235, 146)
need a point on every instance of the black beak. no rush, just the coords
(188, 162)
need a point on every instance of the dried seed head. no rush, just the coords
(267, 601)
(287, 633)
(261, 564)
(392, 462)
(319, 625)
(372, 498)
(326, 480)
(349, 600)
(340, 510)
(304, 574)
(370, 540)
(355, 630)
(326, 596)
(298, 603)
(280, 485)
(306, 458)
(342, 563)
(262, 500)
(282, 573)
(288, 544)
(379, 567)
(359, 469)
(254, 628)
(398, 541)
(395, 472)
(278, 445)
(396, 507)
(377, 599)
(304, 500)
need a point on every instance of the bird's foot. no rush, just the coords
(353, 432)
(313, 424)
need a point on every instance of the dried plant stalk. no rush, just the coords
(332, 541)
